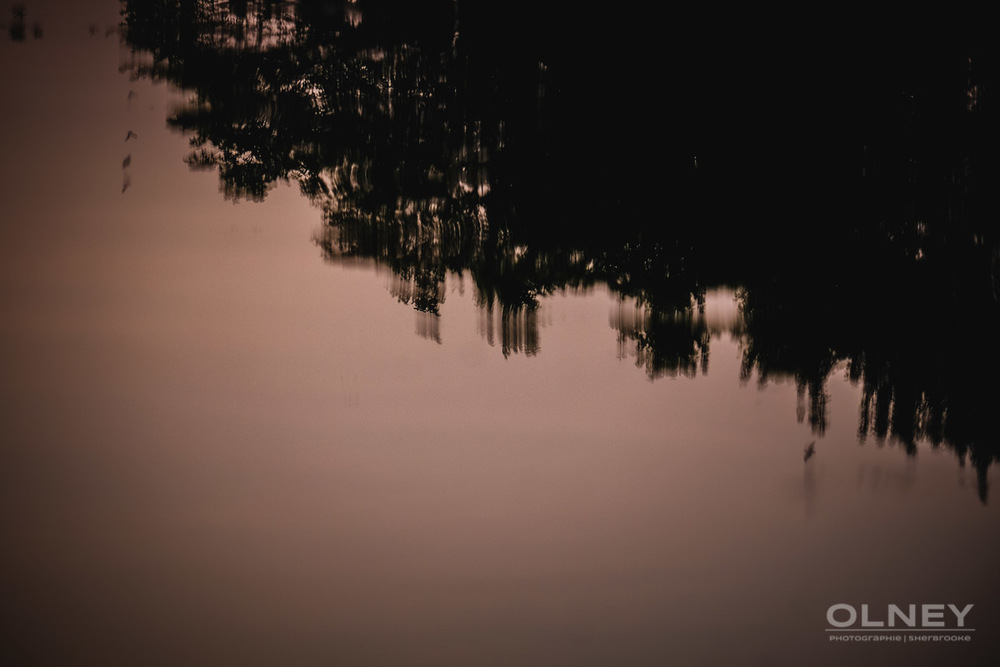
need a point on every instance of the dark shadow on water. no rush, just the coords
(843, 179)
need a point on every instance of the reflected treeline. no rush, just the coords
(843, 179)
(926, 362)
(439, 137)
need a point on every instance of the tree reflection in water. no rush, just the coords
(845, 192)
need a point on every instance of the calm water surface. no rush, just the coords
(228, 441)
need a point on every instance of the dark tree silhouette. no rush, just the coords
(847, 189)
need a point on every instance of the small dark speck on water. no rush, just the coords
(810, 450)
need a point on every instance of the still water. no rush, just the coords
(299, 406)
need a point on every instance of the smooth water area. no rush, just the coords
(223, 446)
